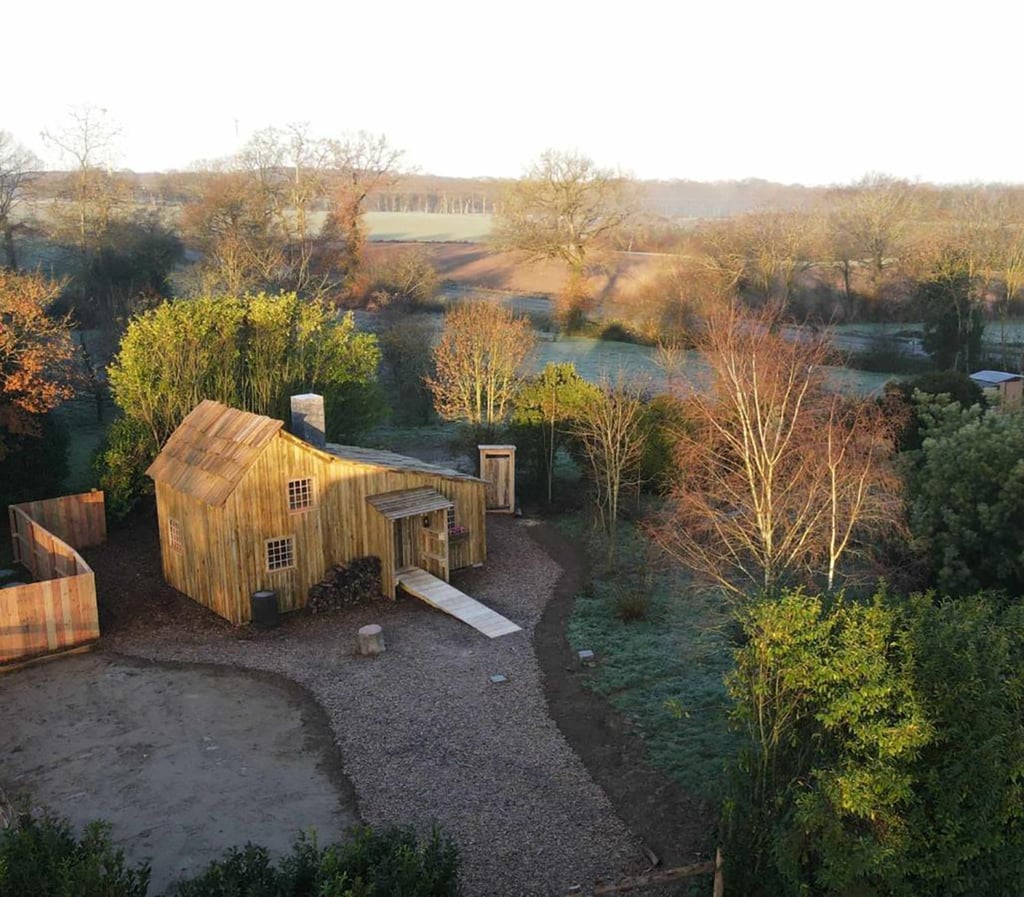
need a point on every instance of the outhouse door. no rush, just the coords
(498, 471)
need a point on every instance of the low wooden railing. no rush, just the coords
(58, 611)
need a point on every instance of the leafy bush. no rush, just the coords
(885, 748)
(253, 353)
(631, 604)
(121, 465)
(393, 862)
(665, 422)
(42, 856)
(967, 497)
(903, 411)
(408, 360)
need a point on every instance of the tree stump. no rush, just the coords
(371, 640)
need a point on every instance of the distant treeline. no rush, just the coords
(475, 196)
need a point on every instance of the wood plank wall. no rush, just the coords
(223, 560)
(59, 611)
(80, 520)
(41, 617)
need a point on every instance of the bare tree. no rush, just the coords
(564, 208)
(18, 168)
(478, 362)
(233, 227)
(779, 479)
(360, 164)
(609, 429)
(876, 220)
(92, 194)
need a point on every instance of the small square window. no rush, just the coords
(300, 494)
(280, 553)
(174, 537)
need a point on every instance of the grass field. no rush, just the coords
(665, 671)
(428, 227)
(595, 359)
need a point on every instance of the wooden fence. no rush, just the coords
(59, 610)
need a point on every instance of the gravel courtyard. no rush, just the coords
(423, 734)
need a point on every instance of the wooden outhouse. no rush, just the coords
(244, 506)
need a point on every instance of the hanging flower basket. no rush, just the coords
(457, 534)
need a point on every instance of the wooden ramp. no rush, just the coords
(437, 593)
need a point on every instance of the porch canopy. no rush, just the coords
(409, 502)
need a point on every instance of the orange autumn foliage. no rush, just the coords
(36, 352)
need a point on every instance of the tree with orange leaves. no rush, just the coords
(781, 480)
(36, 352)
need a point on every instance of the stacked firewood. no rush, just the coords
(346, 585)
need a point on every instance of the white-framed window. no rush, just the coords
(175, 541)
(280, 553)
(300, 494)
(451, 518)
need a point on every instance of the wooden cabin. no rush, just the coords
(244, 505)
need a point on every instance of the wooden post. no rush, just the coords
(371, 640)
(719, 886)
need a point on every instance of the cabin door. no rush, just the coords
(407, 542)
(422, 541)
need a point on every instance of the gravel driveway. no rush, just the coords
(424, 735)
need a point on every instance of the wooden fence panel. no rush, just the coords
(59, 611)
(48, 616)
(80, 520)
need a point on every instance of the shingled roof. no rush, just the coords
(392, 461)
(210, 451)
(213, 447)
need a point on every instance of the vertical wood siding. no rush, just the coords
(224, 556)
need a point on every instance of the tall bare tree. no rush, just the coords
(564, 208)
(92, 194)
(609, 429)
(360, 164)
(779, 480)
(18, 168)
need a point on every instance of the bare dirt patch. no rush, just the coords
(474, 265)
(183, 761)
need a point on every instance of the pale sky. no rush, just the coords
(807, 92)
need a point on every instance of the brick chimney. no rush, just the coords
(308, 421)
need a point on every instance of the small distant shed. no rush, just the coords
(1003, 386)
(244, 506)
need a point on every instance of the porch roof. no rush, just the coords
(409, 502)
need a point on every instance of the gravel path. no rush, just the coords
(425, 736)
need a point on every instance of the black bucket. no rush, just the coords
(264, 609)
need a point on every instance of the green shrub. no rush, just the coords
(885, 748)
(43, 858)
(904, 412)
(393, 862)
(631, 604)
(121, 465)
